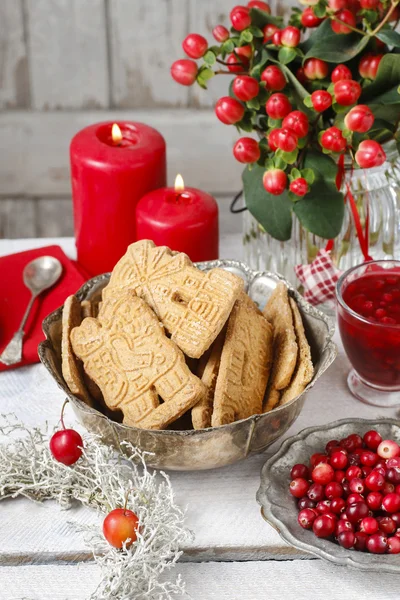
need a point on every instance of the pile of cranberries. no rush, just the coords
(351, 493)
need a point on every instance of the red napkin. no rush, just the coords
(14, 298)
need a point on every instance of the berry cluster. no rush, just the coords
(351, 493)
(295, 102)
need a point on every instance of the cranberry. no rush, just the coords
(245, 88)
(360, 119)
(269, 31)
(338, 505)
(377, 543)
(322, 474)
(316, 492)
(387, 525)
(393, 462)
(299, 186)
(240, 17)
(396, 518)
(366, 471)
(338, 460)
(380, 469)
(195, 45)
(246, 150)
(306, 518)
(275, 181)
(347, 92)
(369, 525)
(346, 539)
(375, 481)
(297, 122)
(393, 475)
(391, 502)
(356, 485)
(332, 139)
(361, 541)
(344, 16)
(260, 5)
(387, 448)
(286, 140)
(357, 511)
(300, 470)
(317, 459)
(220, 33)
(397, 489)
(324, 507)
(355, 440)
(229, 110)
(393, 545)
(374, 500)
(299, 487)
(354, 497)
(388, 488)
(314, 68)
(305, 502)
(278, 106)
(309, 18)
(274, 78)
(331, 445)
(290, 36)
(324, 526)
(346, 488)
(343, 525)
(353, 471)
(339, 475)
(368, 458)
(321, 100)
(341, 72)
(333, 490)
(184, 71)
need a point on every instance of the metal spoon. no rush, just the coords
(38, 275)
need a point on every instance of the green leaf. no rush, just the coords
(307, 101)
(279, 163)
(253, 103)
(286, 55)
(209, 58)
(272, 212)
(246, 124)
(274, 122)
(389, 37)
(308, 175)
(262, 96)
(256, 31)
(333, 47)
(260, 18)
(228, 46)
(321, 211)
(295, 173)
(288, 157)
(269, 164)
(246, 37)
(319, 10)
(203, 75)
(387, 79)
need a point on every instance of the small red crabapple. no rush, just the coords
(240, 17)
(220, 33)
(260, 5)
(274, 78)
(347, 92)
(184, 71)
(341, 72)
(66, 444)
(229, 110)
(371, 154)
(309, 18)
(290, 36)
(275, 182)
(195, 45)
(299, 187)
(344, 16)
(278, 106)
(245, 87)
(297, 121)
(269, 31)
(246, 150)
(321, 100)
(314, 68)
(286, 140)
(332, 139)
(360, 118)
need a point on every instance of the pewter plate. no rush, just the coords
(279, 509)
(187, 449)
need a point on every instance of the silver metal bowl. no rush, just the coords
(215, 446)
(279, 508)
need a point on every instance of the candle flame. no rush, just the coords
(179, 184)
(116, 134)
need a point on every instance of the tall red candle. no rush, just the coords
(111, 169)
(184, 219)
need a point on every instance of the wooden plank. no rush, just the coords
(17, 218)
(68, 54)
(14, 80)
(35, 161)
(54, 217)
(145, 39)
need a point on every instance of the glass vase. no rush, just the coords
(377, 196)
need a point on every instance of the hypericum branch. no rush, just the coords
(385, 20)
(333, 18)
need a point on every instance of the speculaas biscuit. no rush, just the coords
(193, 305)
(72, 368)
(304, 370)
(245, 364)
(278, 312)
(272, 400)
(208, 370)
(126, 352)
(87, 309)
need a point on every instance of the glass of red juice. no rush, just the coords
(368, 305)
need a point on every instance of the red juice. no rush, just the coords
(369, 323)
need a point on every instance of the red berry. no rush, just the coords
(184, 71)
(275, 181)
(353, 471)
(306, 518)
(240, 17)
(324, 526)
(393, 475)
(368, 65)
(286, 140)
(356, 485)
(269, 31)
(299, 487)
(229, 110)
(354, 497)
(244, 52)
(321, 100)
(346, 539)
(368, 458)
(393, 545)
(278, 106)
(338, 505)
(375, 481)
(236, 64)
(345, 16)
(66, 446)
(276, 38)
(388, 488)
(387, 525)
(195, 45)
(371, 154)
(331, 446)
(299, 187)
(339, 475)
(322, 474)
(301, 76)
(350, 443)
(324, 507)
(355, 440)
(300, 470)
(220, 33)
(347, 92)
(296, 121)
(274, 78)
(273, 139)
(343, 525)
(369, 4)
(360, 119)
(314, 68)
(336, 5)
(290, 36)
(393, 462)
(245, 88)
(374, 500)
(387, 448)
(332, 139)
(316, 492)
(333, 490)
(305, 502)
(391, 502)
(377, 543)
(369, 525)
(309, 18)
(354, 459)
(246, 150)
(119, 526)
(260, 5)
(341, 72)
(338, 460)
(361, 541)
(318, 458)
(357, 511)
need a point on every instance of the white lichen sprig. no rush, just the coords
(100, 479)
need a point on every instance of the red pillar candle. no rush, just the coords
(112, 167)
(184, 219)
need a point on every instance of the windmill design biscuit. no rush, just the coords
(126, 352)
(192, 305)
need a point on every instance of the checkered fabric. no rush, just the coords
(319, 279)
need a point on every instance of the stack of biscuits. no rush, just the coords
(168, 338)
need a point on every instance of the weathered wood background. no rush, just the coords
(67, 63)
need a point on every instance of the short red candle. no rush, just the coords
(108, 179)
(186, 221)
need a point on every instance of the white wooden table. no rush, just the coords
(234, 555)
